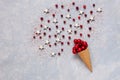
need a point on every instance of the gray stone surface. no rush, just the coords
(20, 59)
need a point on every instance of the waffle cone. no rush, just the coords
(85, 56)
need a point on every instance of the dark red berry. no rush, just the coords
(40, 37)
(34, 37)
(85, 15)
(44, 33)
(63, 36)
(68, 43)
(61, 50)
(48, 21)
(69, 37)
(59, 54)
(79, 49)
(70, 25)
(62, 28)
(62, 43)
(56, 26)
(64, 22)
(75, 41)
(55, 35)
(75, 32)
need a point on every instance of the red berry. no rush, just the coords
(53, 15)
(81, 34)
(75, 41)
(76, 46)
(83, 48)
(79, 17)
(73, 19)
(93, 5)
(79, 49)
(56, 5)
(62, 6)
(41, 18)
(79, 40)
(91, 12)
(68, 10)
(77, 8)
(81, 26)
(73, 3)
(88, 35)
(61, 15)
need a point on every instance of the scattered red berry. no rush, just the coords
(88, 35)
(84, 6)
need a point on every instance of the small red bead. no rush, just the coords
(63, 36)
(91, 12)
(49, 36)
(44, 33)
(55, 35)
(56, 26)
(68, 10)
(62, 28)
(64, 22)
(61, 15)
(62, 43)
(88, 35)
(69, 37)
(79, 17)
(48, 21)
(62, 50)
(56, 5)
(73, 3)
(77, 8)
(81, 26)
(40, 37)
(41, 25)
(62, 6)
(73, 19)
(90, 28)
(70, 25)
(75, 32)
(34, 37)
(41, 18)
(53, 15)
(85, 15)
(68, 43)
(81, 34)
(93, 5)
(84, 6)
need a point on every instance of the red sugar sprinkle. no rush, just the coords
(50, 45)
(88, 21)
(84, 6)
(49, 29)
(55, 44)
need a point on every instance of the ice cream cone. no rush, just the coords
(85, 56)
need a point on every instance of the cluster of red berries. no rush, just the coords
(79, 45)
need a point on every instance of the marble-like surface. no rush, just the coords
(20, 59)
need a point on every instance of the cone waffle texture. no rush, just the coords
(85, 56)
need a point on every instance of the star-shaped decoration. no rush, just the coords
(81, 12)
(41, 47)
(58, 32)
(69, 31)
(99, 10)
(45, 27)
(53, 54)
(38, 32)
(68, 16)
(76, 25)
(47, 42)
(55, 21)
(92, 18)
(58, 40)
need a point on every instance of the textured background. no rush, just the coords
(20, 59)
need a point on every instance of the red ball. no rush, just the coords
(79, 41)
(79, 49)
(83, 47)
(75, 41)
(76, 46)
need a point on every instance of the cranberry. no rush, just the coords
(76, 46)
(79, 40)
(49, 45)
(41, 25)
(83, 48)
(75, 32)
(75, 41)
(44, 33)
(79, 49)
(49, 36)
(62, 43)
(62, 28)
(70, 25)
(40, 37)
(63, 36)
(68, 43)
(69, 37)
(59, 54)
(48, 21)
(64, 22)
(55, 35)
(84, 6)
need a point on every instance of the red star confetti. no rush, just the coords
(57, 29)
